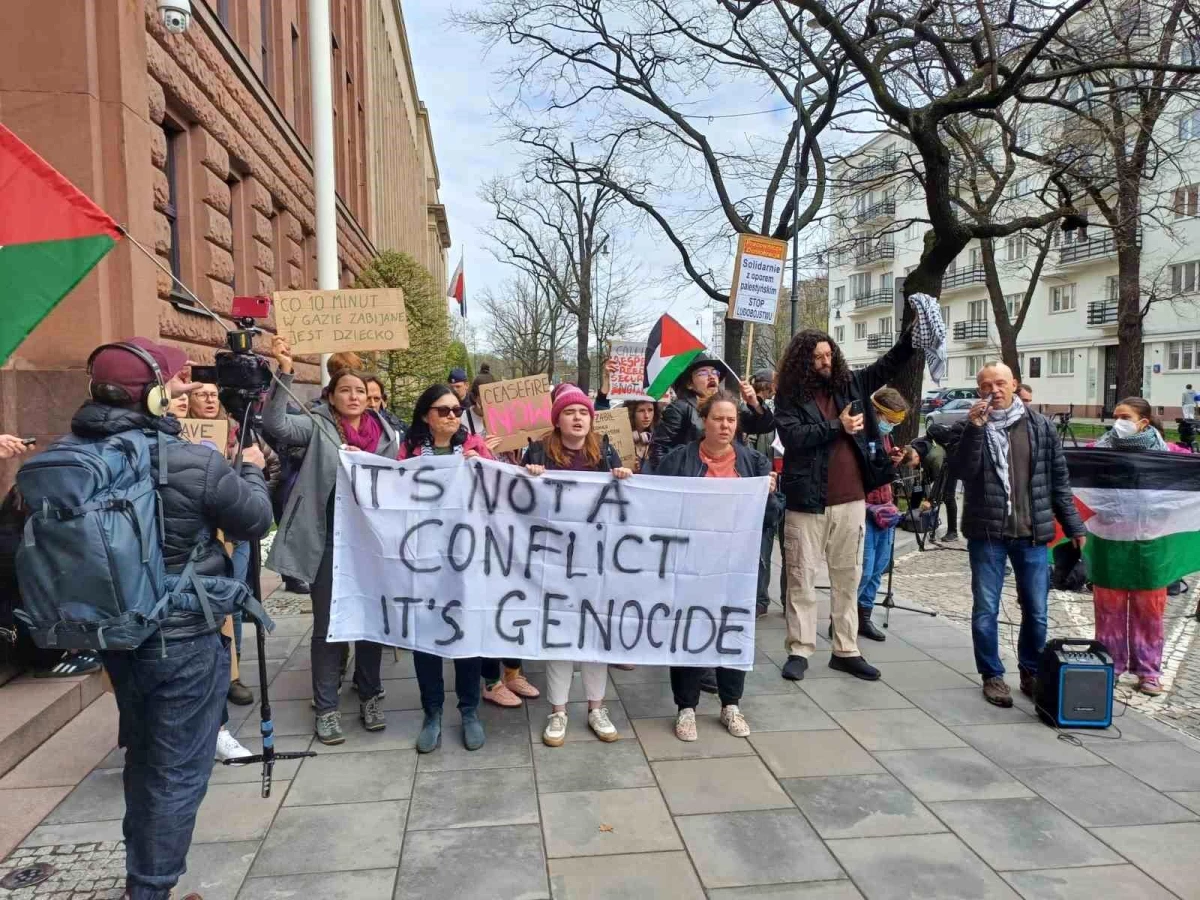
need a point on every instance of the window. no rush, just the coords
(885, 325)
(1189, 125)
(975, 258)
(1183, 356)
(946, 316)
(1062, 362)
(1112, 289)
(974, 364)
(860, 284)
(1025, 135)
(1183, 277)
(1020, 187)
(860, 331)
(1035, 367)
(1187, 201)
(1012, 303)
(839, 296)
(172, 208)
(1062, 299)
(1189, 53)
(977, 311)
(885, 282)
(297, 79)
(839, 334)
(1016, 247)
(264, 31)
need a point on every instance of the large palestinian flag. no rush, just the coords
(669, 349)
(51, 235)
(1142, 512)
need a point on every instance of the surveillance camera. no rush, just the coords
(176, 15)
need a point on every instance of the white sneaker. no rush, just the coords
(732, 718)
(602, 725)
(229, 748)
(556, 729)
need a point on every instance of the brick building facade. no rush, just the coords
(199, 144)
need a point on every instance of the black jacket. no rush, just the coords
(681, 423)
(535, 455)
(685, 462)
(1049, 484)
(202, 494)
(807, 436)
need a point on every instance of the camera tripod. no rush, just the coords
(889, 603)
(268, 756)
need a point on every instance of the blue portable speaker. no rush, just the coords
(1075, 684)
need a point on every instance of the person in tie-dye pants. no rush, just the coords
(1129, 623)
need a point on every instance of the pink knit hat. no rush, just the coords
(569, 395)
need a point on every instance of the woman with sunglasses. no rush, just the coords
(303, 545)
(437, 430)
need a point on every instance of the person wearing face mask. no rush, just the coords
(438, 430)
(1130, 622)
(303, 546)
(882, 514)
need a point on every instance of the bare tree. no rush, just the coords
(635, 76)
(529, 329)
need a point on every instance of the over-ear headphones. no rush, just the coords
(156, 398)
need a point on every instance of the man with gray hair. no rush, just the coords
(1015, 485)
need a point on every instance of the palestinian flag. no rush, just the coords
(1142, 513)
(51, 235)
(669, 349)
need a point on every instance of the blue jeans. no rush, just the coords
(433, 685)
(877, 553)
(1031, 568)
(170, 708)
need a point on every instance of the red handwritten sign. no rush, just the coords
(517, 410)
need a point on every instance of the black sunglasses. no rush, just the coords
(446, 412)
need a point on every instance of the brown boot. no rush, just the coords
(1029, 684)
(996, 692)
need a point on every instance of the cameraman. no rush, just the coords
(930, 451)
(171, 690)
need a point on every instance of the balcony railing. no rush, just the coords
(963, 277)
(1102, 312)
(971, 330)
(874, 252)
(881, 297)
(878, 166)
(1093, 248)
(883, 209)
(880, 341)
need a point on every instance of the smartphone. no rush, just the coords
(856, 408)
(28, 441)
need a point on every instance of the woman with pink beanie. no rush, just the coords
(574, 445)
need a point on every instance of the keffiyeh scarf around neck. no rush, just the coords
(1149, 439)
(999, 421)
(427, 447)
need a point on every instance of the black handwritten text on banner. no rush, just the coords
(476, 558)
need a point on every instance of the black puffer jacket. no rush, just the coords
(685, 462)
(807, 436)
(1049, 485)
(681, 424)
(202, 494)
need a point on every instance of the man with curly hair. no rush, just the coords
(833, 456)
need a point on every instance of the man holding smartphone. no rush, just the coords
(833, 456)
(1015, 485)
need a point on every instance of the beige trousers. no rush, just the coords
(837, 536)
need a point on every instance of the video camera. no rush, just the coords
(240, 374)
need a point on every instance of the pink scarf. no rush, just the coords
(366, 436)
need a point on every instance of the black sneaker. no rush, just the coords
(950, 537)
(708, 681)
(295, 585)
(794, 668)
(854, 665)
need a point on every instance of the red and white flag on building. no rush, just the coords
(458, 289)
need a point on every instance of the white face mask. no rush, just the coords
(1123, 428)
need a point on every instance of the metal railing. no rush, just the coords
(1102, 312)
(874, 252)
(971, 330)
(1094, 248)
(964, 277)
(881, 297)
(880, 341)
(878, 166)
(884, 208)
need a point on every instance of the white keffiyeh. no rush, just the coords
(930, 334)
(999, 421)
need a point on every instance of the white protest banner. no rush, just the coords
(628, 382)
(466, 558)
(757, 275)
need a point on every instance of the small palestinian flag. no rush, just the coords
(51, 235)
(669, 349)
(1142, 512)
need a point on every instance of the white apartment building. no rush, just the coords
(1068, 344)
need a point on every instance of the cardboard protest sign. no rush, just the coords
(517, 410)
(628, 382)
(464, 558)
(211, 432)
(757, 276)
(615, 424)
(331, 321)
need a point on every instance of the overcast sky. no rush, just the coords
(455, 80)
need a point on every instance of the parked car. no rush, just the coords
(950, 413)
(945, 395)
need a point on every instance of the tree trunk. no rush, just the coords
(1130, 350)
(734, 332)
(583, 359)
(1004, 326)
